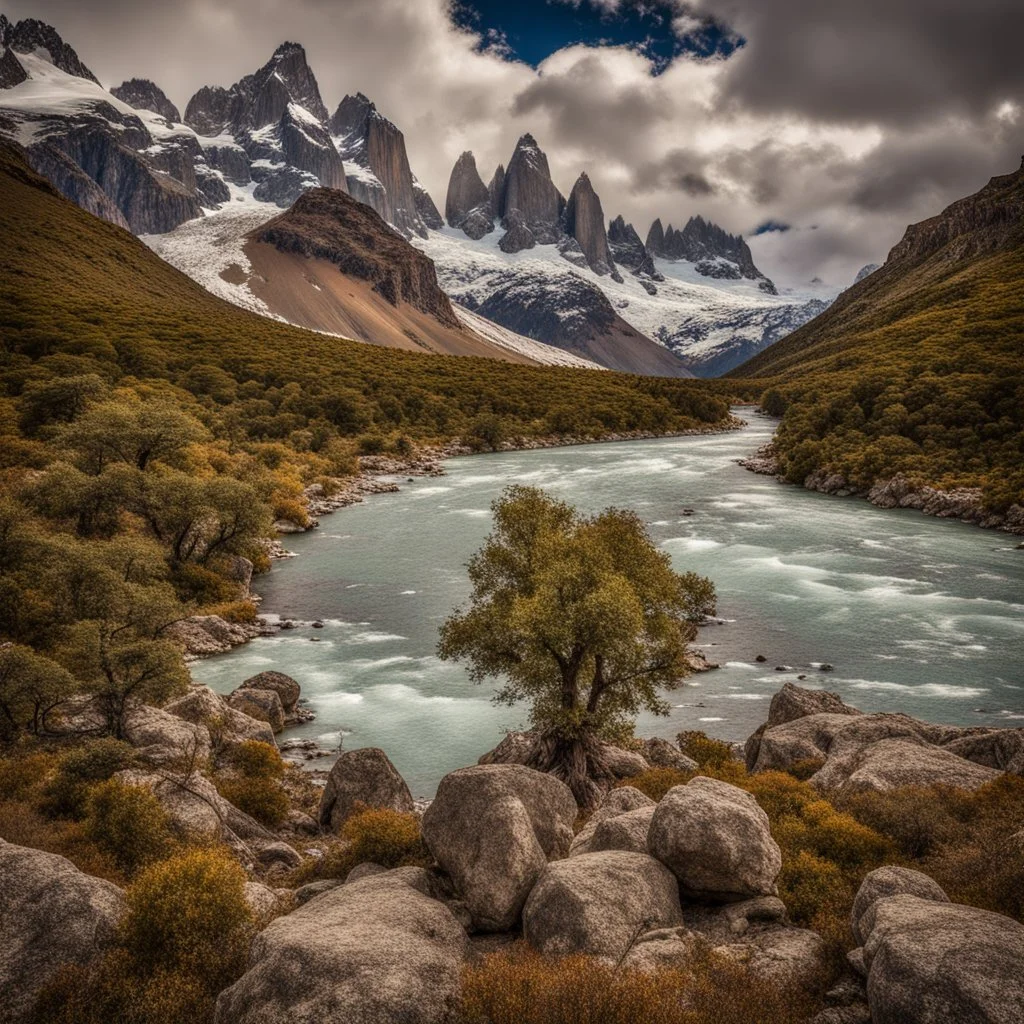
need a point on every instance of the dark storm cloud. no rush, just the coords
(854, 117)
(889, 61)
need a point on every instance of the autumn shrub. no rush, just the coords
(254, 782)
(656, 782)
(375, 835)
(129, 824)
(519, 986)
(918, 819)
(23, 771)
(189, 914)
(66, 794)
(805, 767)
(707, 752)
(184, 938)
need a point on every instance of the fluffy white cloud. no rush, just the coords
(818, 122)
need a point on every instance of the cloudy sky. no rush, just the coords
(839, 121)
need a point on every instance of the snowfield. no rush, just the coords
(707, 321)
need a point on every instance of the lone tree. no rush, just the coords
(584, 618)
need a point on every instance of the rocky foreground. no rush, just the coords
(641, 885)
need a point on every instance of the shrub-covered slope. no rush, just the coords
(71, 285)
(918, 368)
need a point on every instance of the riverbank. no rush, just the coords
(203, 636)
(963, 504)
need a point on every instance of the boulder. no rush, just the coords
(716, 840)
(515, 748)
(278, 853)
(877, 751)
(662, 949)
(365, 870)
(264, 705)
(596, 904)
(226, 725)
(51, 915)
(663, 754)
(623, 764)
(941, 963)
(163, 738)
(197, 809)
(891, 881)
(311, 890)
(362, 777)
(284, 686)
(893, 763)
(781, 955)
(626, 831)
(373, 952)
(620, 800)
(262, 899)
(493, 828)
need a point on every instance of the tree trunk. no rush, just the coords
(578, 761)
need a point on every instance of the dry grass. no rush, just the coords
(519, 986)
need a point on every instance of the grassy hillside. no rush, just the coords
(920, 367)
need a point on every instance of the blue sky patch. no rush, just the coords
(531, 30)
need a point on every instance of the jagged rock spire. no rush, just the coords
(367, 139)
(31, 35)
(142, 94)
(584, 221)
(529, 191)
(628, 251)
(468, 202)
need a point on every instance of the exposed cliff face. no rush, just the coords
(11, 71)
(629, 252)
(72, 182)
(380, 175)
(713, 251)
(142, 94)
(529, 191)
(32, 36)
(468, 202)
(429, 213)
(584, 221)
(329, 225)
(977, 224)
(496, 190)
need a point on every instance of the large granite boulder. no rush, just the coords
(620, 800)
(619, 832)
(227, 726)
(930, 962)
(891, 881)
(859, 761)
(51, 915)
(493, 828)
(374, 952)
(877, 751)
(198, 811)
(716, 840)
(597, 904)
(286, 688)
(362, 778)
(264, 705)
(163, 738)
